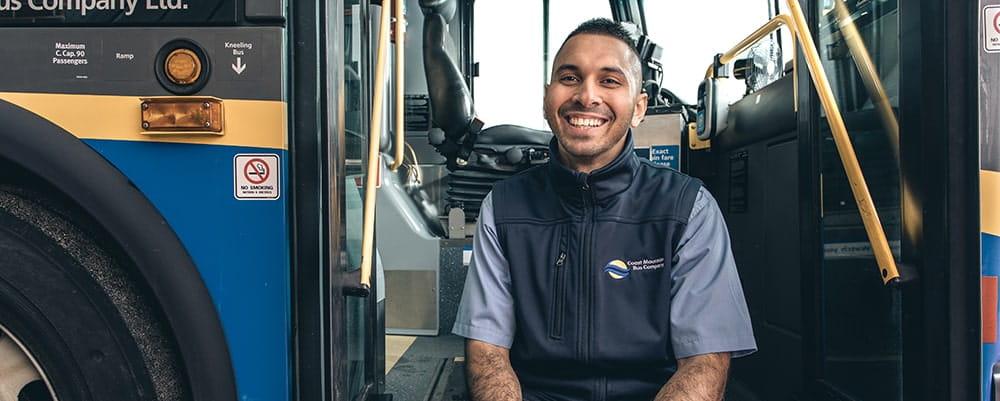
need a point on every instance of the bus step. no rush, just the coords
(450, 385)
(430, 369)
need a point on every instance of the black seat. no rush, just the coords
(477, 157)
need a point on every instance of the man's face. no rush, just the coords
(593, 99)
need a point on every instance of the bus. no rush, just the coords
(275, 200)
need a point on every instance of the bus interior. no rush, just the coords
(828, 326)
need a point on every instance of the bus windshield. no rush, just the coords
(681, 28)
(691, 33)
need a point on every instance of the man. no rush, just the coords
(598, 275)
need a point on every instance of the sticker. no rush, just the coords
(854, 250)
(256, 176)
(665, 155)
(991, 28)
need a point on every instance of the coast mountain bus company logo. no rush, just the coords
(617, 269)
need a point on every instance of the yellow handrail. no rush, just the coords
(774, 24)
(883, 254)
(757, 36)
(400, 88)
(374, 161)
(859, 52)
(753, 38)
(797, 23)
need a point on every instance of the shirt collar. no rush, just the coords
(602, 183)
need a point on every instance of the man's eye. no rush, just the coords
(612, 82)
(568, 79)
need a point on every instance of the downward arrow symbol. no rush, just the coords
(239, 66)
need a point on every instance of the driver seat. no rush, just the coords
(476, 157)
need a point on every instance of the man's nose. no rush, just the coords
(589, 94)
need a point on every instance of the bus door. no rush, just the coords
(830, 323)
(365, 57)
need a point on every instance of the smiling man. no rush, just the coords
(600, 276)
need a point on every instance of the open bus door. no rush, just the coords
(339, 296)
(903, 75)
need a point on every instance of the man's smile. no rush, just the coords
(585, 120)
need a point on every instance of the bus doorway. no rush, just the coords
(828, 323)
(828, 326)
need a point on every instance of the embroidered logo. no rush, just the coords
(617, 269)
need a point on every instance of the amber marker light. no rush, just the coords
(182, 66)
(182, 115)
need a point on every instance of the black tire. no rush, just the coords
(54, 297)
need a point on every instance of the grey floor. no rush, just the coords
(425, 368)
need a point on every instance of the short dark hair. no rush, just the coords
(604, 26)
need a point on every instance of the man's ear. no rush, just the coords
(545, 96)
(640, 109)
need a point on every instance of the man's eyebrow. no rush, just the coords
(614, 70)
(575, 68)
(567, 67)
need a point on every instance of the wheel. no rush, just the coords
(73, 325)
(21, 378)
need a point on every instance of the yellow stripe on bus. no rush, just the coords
(989, 189)
(249, 123)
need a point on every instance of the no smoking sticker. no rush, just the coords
(256, 176)
(991, 29)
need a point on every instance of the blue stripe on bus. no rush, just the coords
(240, 247)
(991, 267)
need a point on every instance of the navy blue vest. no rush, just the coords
(590, 261)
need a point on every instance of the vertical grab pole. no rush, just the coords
(400, 30)
(374, 161)
(883, 254)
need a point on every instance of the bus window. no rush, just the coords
(691, 34)
(511, 82)
(514, 72)
(564, 16)
(864, 364)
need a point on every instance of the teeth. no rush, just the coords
(585, 122)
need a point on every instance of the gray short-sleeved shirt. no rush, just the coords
(708, 311)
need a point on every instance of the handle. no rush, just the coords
(773, 25)
(400, 87)
(883, 254)
(374, 163)
(797, 23)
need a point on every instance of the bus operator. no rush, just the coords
(600, 276)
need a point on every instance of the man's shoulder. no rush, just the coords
(649, 167)
(666, 178)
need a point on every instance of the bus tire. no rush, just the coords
(75, 311)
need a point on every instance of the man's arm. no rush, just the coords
(698, 378)
(489, 374)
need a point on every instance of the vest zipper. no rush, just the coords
(559, 293)
(585, 304)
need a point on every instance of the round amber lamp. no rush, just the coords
(182, 67)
